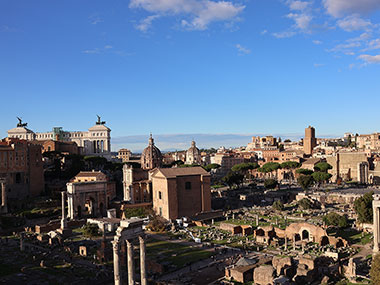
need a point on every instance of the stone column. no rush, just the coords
(116, 262)
(63, 219)
(257, 220)
(4, 202)
(131, 264)
(3, 195)
(286, 243)
(142, 261)
(375, 228)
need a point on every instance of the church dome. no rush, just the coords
(151, 157)
(193, 155)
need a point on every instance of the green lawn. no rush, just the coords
(354, 237)
(175, 253)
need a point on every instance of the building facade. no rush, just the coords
(181, 192)
(89, 194)
(95, 141)
(193, 155)
(309, 141)
(21, 170)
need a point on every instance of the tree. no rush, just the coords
(269, 167)
(270, 183)
(305, 181)
(363, 208)
(287, 141)
(244, 167)
(322, 166)
(375, 269)
(278, 205)
(334, 219)
(233, 178)
(290, 165)
(320, 177)
(211, 166)
(305, 204)
(304, 171)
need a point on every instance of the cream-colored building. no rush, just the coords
(349, 166)
(95, 141)
(193, 155)
(89, 194)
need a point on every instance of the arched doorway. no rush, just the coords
(305, 235)
(325, 241)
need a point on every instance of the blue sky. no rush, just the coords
(191, 66)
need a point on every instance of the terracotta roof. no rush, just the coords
(182, 171)
(312, 161)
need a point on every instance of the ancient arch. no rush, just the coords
(305, 235)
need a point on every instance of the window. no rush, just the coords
(160, 209)
(188, 185)
(159, 195)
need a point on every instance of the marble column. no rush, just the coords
(4, 202)
(257, 220)
(63, 219)
(142, 261)
(375, 228)
(286, 243)
(116, 262)
(131, 264)
(3, 195)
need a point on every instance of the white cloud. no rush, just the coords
(362, 37)
(264, 32)
(338, 8)
(346, 48)
(318, 64)
(242, 50)
(198, 13)
(108, 47)
(317, 42)
(285, 34)
(91, 51)
(146, 23)
(370, 58)
(373, 44)
(298, 5)
(354, 23)
(302, 20)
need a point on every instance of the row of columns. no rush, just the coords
(131, 266)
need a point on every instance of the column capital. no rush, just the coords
(115, 245)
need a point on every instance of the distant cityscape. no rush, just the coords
(271, 211)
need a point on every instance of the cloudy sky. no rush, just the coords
(191, 66)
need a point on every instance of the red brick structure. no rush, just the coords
(22, 169)
(179, 192)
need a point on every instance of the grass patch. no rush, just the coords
(176, 254)
(354, 237)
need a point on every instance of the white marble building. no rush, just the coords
(95, 141)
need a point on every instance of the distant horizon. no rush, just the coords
(179, 142)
